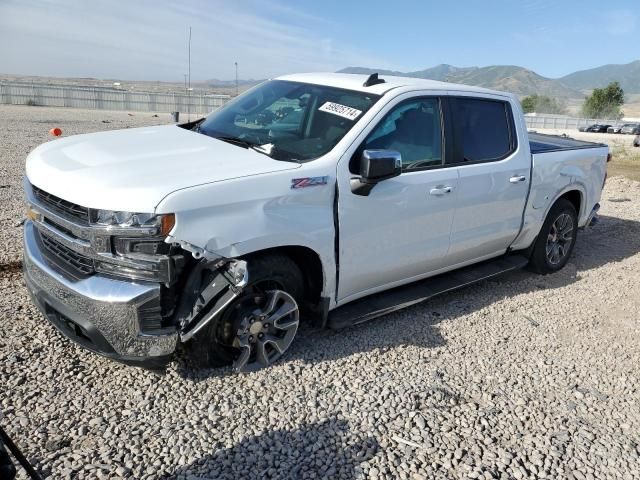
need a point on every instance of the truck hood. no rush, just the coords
(134, 169)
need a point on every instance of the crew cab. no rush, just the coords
(327, 198)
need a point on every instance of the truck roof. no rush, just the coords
(352, 81)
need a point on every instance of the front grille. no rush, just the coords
(76, 262)
(60, 206)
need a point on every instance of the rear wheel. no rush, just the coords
(556, 240)
(260, 325)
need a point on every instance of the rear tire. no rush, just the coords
(556, 239)
(219, 343)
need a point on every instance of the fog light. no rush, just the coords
(151, 272)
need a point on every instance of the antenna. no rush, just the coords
(373, 80)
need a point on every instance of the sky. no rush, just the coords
(147, 40)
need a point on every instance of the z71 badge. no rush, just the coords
(308, 182)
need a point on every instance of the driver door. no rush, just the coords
(400, 231)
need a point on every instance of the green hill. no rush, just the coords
(627, 74)
(511, 78)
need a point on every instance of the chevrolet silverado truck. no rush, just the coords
(327, 198)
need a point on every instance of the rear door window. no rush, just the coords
(483, 130)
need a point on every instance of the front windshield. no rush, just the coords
(289, 120)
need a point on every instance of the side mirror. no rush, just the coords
(376, 166)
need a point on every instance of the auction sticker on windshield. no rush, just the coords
(341, 110)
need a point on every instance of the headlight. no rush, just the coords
(143, 246)
(164, 223)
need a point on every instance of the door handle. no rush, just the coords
(517, 179)
(440, 190)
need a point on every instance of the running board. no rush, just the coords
(383, 303)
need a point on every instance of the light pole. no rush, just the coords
(236, 64)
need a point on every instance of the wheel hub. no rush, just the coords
(559, 239)
(263, 334)
(255, 328)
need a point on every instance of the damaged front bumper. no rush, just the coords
(99, 313)
(105, 314)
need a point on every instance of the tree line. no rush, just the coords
(602, 103)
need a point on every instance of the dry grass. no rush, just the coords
(626, 163)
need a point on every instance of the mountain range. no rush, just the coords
(522, 81)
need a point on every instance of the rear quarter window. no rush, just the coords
(483, 129)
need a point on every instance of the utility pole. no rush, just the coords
(189, 87)
(186, 92)
(236, 64)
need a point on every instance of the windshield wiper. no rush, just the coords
(268, 149)
(235, 141)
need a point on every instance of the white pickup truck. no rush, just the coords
(310, 197)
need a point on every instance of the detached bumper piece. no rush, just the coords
(104, 315)
(210, 289)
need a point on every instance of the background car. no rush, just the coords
(631, 129)
(598, 128)
(636, 141)
(614, 129)
(585, 128)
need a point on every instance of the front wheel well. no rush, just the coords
(309, 263)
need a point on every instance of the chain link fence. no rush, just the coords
(105, 98)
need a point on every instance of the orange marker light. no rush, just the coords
(167, 223)
(32, 214)
(56, 132)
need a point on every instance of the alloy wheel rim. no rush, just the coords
(559, 239)
(267, 332)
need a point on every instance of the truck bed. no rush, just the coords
(541, 143)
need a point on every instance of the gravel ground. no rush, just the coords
(520, 377)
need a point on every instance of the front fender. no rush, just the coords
(237, 217)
